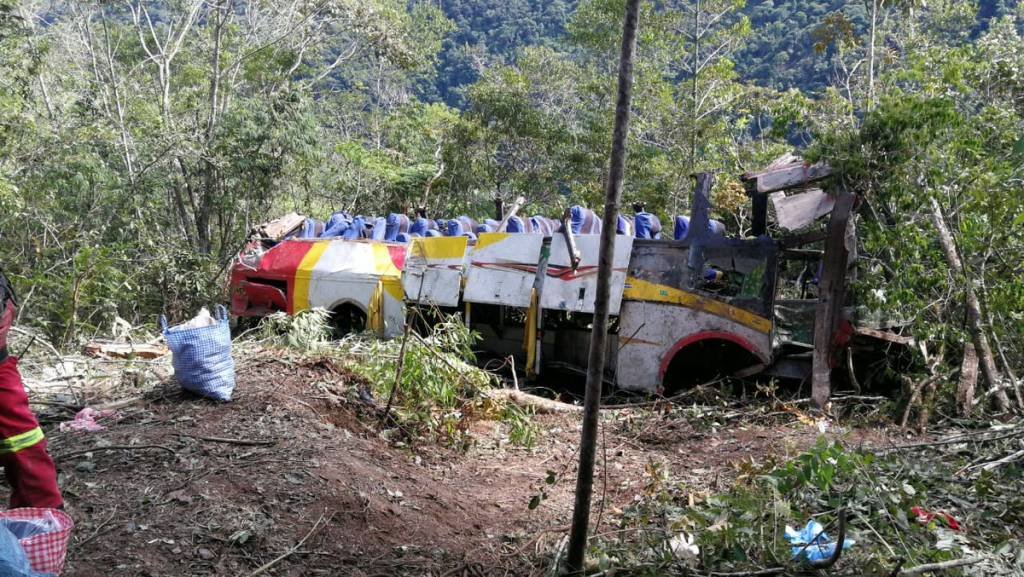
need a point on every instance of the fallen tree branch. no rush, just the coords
(966, 438)
(929, 567)
(114, 448)
(266, 566)
(244, 442)
(538, 404)
(1000, 462)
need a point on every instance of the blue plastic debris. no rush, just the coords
(812, 544)
(13, 560)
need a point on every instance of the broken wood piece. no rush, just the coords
(933, 567)
(280, 227)
(887, 336)
(831, 298)
(125, 350)
(540, 405)
(797, 211)
(789, 176)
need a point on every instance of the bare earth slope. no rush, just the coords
(223, 489)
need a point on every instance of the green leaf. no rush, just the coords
(534, 502)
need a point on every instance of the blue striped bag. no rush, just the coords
(202, 356)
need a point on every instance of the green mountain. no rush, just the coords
(779, 54)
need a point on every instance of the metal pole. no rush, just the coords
(595, 368)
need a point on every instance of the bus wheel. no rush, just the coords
(347, 319)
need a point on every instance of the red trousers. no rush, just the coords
(28, 467)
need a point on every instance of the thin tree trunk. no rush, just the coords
(968, 381)
(599, 334)
(974, 316)
(694, 101)
(871, 53)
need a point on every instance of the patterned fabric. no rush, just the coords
(202, 357)
(45, 551)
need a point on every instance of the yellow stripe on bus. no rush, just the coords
(439, 248)
(486, 239)
(641, 290)
(300, 298)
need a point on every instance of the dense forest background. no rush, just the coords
(140, 140)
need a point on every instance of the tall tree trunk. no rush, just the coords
(599, 333)
(974, 315)
(968, 381)
(694, 100)
(875, 4)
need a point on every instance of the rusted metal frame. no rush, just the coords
(793, 241)
(667, 273)
(570, 240)
(699, 220)
(831, 295)
(759, 210)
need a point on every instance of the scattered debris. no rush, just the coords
(125, 350)
(812, 543)
(85, 420)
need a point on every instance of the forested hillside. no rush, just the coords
(781, 53)
(141, 140)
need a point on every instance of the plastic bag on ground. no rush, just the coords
(811, 543)
(85, 420)
(201, 355)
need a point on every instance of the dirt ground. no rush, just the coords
(294, 475)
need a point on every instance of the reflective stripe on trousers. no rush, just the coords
(21, 441)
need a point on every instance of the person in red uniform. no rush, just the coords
(28, 467)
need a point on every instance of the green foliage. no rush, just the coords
(946, 128)
(307, 331)
(742, 528)
(441, 391)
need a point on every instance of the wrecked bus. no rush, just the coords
(683, 310)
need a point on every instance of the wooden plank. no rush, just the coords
(800, 210)
(279, 227)
(125, 350)
(832, 293)
(791, 176)
(887, 336)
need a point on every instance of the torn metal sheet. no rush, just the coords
(574, 289)
(502, 268)
(799, 210)
(433, 270)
